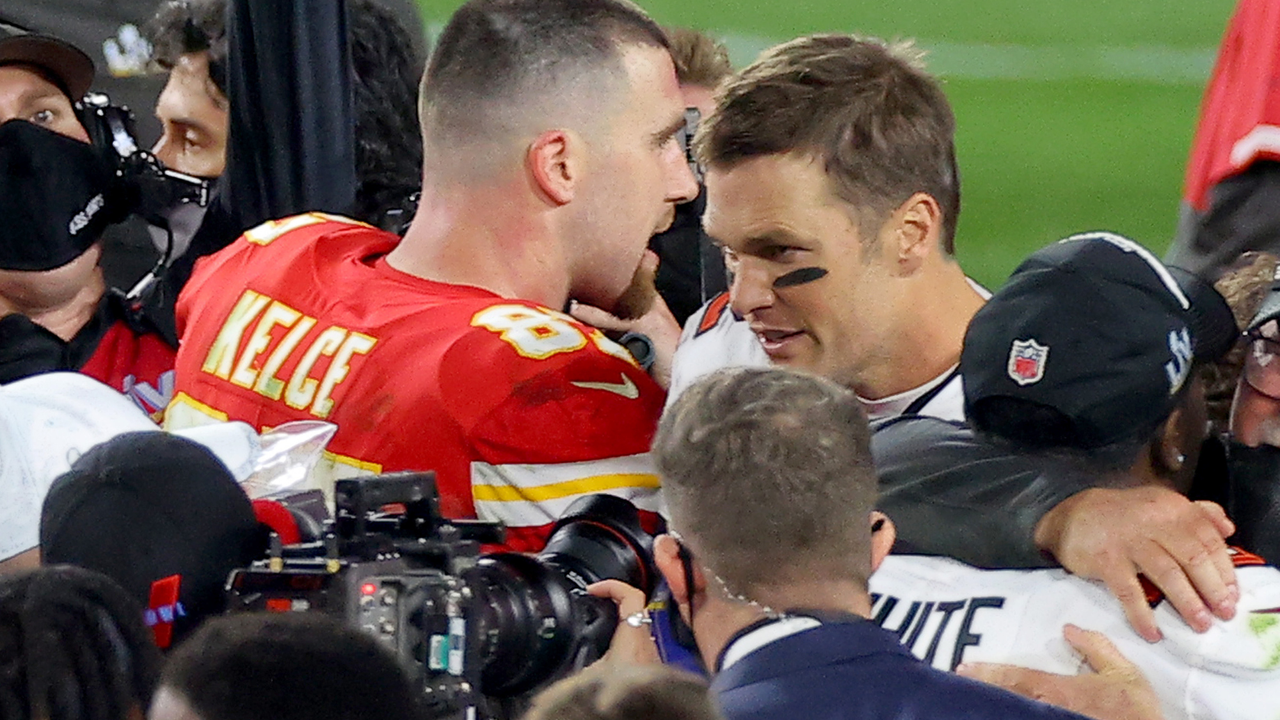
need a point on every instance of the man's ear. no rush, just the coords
(914, 230)
(1171, 447)
(883, 533)
(553, 164)
(666, 555)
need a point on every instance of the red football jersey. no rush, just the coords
(1240, 113)
(518, 408)
(139, 365)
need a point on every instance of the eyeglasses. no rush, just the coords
(1262, 365)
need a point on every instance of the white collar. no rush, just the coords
(772, 632)
(895, 405)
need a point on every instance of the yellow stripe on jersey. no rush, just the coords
(185, 411)
(530, 495)
(583, 486)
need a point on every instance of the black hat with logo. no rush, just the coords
(1098, 331)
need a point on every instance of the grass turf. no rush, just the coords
(1072, 116)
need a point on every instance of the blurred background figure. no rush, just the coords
(626, 692)
(1231, 196)
(1244, 284)
(46, 423)
(72, 647)
(290, 666)
(692, 271)
(160, 515)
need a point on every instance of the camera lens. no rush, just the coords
(536, 622)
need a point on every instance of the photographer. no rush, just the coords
(59, 194)
(769, 480)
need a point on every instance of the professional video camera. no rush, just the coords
(144, 186)
(155, 187)
(480, 631)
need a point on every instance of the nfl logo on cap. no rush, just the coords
(1026, 361)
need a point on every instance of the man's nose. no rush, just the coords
(682, 186)
(750, 289)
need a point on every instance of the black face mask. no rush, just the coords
(57, 194)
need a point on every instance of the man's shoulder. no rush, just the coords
(860, 671)
(715, 323)
(1246, 646)
(545, 363)
(714, 338)
(273, 247)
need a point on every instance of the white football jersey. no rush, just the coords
(947, 612)
(713, 338)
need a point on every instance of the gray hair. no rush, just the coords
(768, 475)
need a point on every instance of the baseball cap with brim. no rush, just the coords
(48, 421)
(66, 64)
(1097, 329)
(153, 510)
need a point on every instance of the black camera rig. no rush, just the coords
(479, 632)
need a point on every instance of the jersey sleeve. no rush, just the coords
(712, 339)
(558, 412)
(953, 495)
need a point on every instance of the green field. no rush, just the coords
(1072, 115)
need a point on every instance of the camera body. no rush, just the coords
(151, 187)
(479, 632)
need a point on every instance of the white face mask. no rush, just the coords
(184, 220)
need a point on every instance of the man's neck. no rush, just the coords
(67, 317)
(929, 345)
(717, 621)
(487, 237)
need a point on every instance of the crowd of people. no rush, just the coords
(574, 253)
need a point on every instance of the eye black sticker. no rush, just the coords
(800, 277)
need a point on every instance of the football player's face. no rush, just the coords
(817, 297)
(193, 116)
(25, 94)
(638, 173)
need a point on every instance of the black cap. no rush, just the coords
(70, 67)
(1097, 329)
(144, 507)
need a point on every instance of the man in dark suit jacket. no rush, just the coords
(768, 478)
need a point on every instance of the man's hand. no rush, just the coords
(658, 324)
(630, 644)
(1116, 690)
(1113, 535)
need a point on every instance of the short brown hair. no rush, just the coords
(700, 60)
(496, 58)
(610, 691)
(1244, 284)
(866, 110)
(768, 475)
